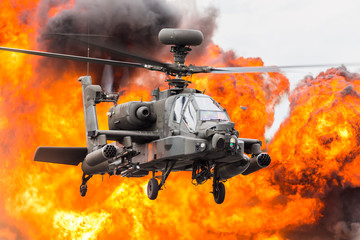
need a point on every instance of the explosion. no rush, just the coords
(309, 192)
(317, 150)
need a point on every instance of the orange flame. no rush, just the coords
(320, 138)
(316, 149)
(42, 201)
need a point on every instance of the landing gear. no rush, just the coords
(219, 192)
(83, 186)
(218, 188)
(153, 185)
(168, 167)
(83, 190)
(152, 189)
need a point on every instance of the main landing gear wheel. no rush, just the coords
(83, 190)
(83, 186)
(219, 192)
(152, 189)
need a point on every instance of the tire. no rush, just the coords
(219, 193)
(83, 190)
(152, 189)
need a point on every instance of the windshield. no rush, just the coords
(206, 103)
(209, 110)
(213, 115)
(190, 117)
(179, 106)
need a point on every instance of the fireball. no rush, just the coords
(311, 188)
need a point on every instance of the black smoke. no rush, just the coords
(127, 25)
(340, 218)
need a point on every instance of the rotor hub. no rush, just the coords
(178, 82)
(181, 40)
(180, 53)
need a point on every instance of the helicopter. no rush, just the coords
(180, 129)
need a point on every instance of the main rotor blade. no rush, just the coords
(109, 47)
(76, 35)
(75, 58)
(227, 70)
(126, 54)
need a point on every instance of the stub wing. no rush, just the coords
(61, 155)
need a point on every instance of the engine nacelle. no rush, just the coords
(131, 116)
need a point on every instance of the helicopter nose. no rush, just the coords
(221, 141)
(218, 142)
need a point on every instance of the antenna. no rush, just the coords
(88, 48)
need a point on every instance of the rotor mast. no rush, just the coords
(181, 40)
(180, 53)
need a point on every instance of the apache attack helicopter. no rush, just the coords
(180, 129)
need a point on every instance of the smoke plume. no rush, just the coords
(340, 218)
(129, 25)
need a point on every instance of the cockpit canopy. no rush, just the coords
(210, 110)
(196, 108)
